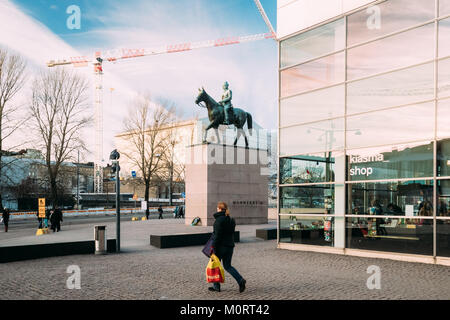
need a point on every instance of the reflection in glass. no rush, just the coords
(401, 50)
(444, 78)
(443, 198)
(404, 124)
(443, 119)
(392, 89)
(395, 198)
(307, 169)
(443, 238)
(314, 43)
(392, 162)
(444, 38)
(317, 105)
(313, 75)
(314, 199)
(393, 235)
(316, 137)
(307, 230)
(443, 158)
(383, 19)
(444, 7)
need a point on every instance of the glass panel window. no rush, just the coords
(443, 119)
(443, 238)
(401, 50)
(392, 89)
(316, 137)
(411, 236)
(443, 198)
(314, 43)
(313, 75)
(393, 198)
(307, 230)
(307, 169)
(314, 199)
(383, 18)
(444, 38)
(443, 158)
(444, 7)
(404, 124)
(393, 162)
(317, 105)
(444, 78)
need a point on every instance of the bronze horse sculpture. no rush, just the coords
(216, 117)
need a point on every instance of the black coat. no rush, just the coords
(5, 216)
(223, 230)
(57, 216)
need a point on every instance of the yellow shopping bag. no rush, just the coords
(214, 270)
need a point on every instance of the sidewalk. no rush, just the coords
(145, 272)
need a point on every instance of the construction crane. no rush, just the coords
(99, 57)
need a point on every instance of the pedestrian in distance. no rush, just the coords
(56, 218)
(47, 216)
(181, 211)
(5, 216)
(39, 220)
(223, 244)
(160, 210)
(175, 212)
(147, 212)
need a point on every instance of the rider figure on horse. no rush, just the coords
(226, 103)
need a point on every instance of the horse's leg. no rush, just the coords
(237, 137)
(217, 134)
(245, 137)
(206, 132)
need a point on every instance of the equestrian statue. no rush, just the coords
(222, 112)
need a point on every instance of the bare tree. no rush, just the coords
(12, 80)
(146, 128)
(59, 111)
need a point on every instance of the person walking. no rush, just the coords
(160, 210)
(39, 220)
(56, 218)
(223, 244)
(182, 211)
(5, 216)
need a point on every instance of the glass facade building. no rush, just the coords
(364, 131)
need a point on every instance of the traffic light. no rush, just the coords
(114, 155)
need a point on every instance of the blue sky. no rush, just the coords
(225, 17)
(37, 29)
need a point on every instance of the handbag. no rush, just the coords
(214, 270)
(207, 249)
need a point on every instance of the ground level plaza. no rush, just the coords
(145, 272)
(364, 139)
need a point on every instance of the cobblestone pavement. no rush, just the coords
(145, 272)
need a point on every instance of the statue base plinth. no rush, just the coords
(237, 176)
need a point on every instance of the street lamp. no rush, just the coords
(114, 156)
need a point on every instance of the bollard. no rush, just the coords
(100, 239)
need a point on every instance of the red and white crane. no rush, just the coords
(99, 57)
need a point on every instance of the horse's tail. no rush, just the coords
(249, 123)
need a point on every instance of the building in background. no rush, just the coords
(25, 178)
(364, 127)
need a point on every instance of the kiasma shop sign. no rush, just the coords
(363, 170)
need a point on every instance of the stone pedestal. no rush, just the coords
(235, 175)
